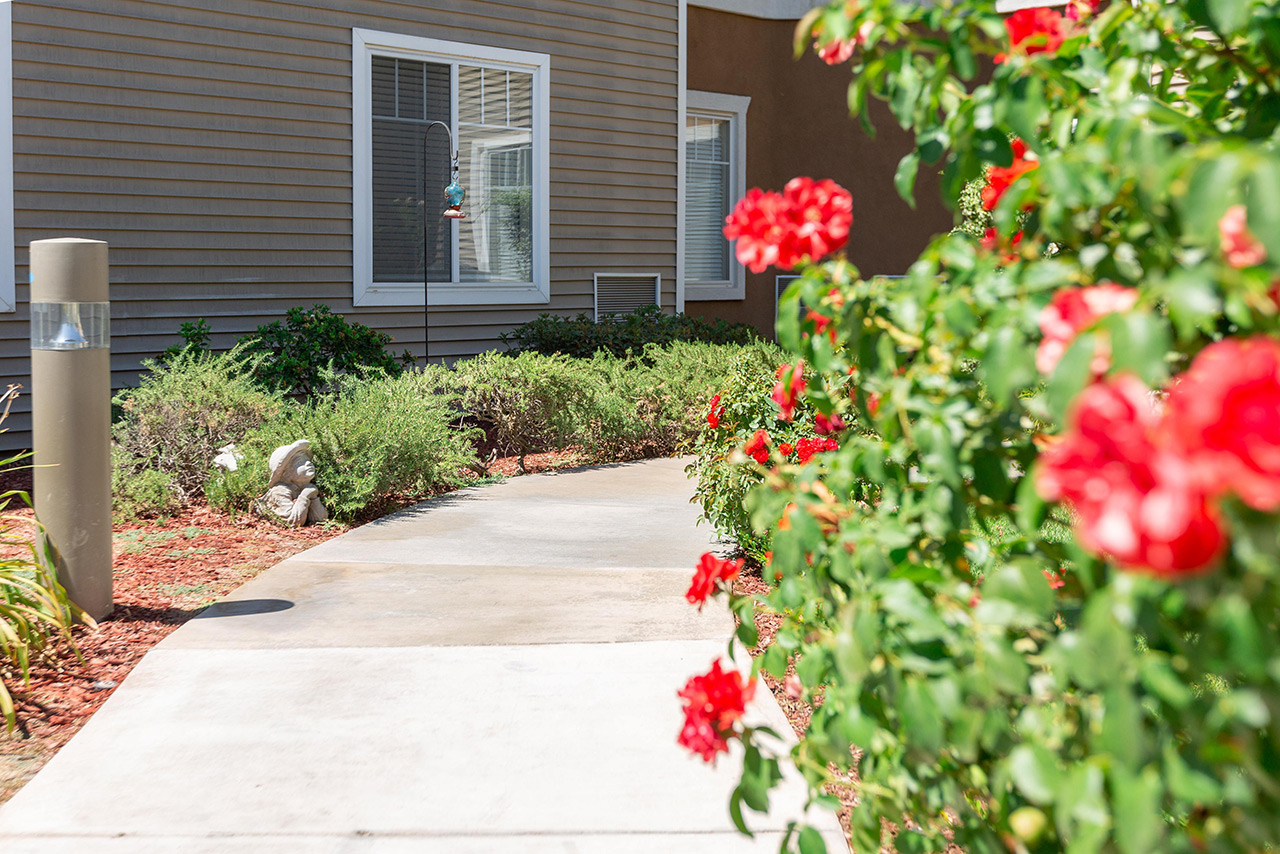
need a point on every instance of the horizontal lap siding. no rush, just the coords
(210, 144)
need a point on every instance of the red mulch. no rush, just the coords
(165, 572)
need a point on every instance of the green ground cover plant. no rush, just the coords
(171, 426)
(1106, 356)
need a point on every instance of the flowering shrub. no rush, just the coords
(1032, 596)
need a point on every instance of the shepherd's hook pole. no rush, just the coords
(426, 288)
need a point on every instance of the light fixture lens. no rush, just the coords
(70, 326)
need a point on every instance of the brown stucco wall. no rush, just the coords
(798, 125)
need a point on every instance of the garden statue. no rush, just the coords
(228, 458)
(290, 494)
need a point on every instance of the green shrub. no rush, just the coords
(138, 491)
(618, 334)
(195, 336)
(183, 412)
(668, 388)
(377, 441)
(298, 350)
(529, 402)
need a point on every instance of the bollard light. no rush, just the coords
(71, 414)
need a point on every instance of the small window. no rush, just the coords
(715, 178)
(495, 104)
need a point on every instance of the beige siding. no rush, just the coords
(210, 144)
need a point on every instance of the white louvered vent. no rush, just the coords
(624, 293)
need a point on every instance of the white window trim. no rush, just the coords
(733, 108)
(365, 44)
(8, 295)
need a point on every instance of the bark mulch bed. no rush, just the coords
(165, 572)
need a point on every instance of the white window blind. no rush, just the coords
(707, 198)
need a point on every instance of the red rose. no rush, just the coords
(1070, 312)
(839, 51)
(759, 225)
(1239, 245)
(757, 447)
(710, 570)
(1225, 412)
(827, 425)
(716, 413)
(1033, 31)
(1000, 177)
(821, 212)
(808, 220)
(992, 242)
(788, 389)
(785, 449)
(806, 448)
(712, 705)
(1136, 496)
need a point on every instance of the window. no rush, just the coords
(715, 178)
(495, 103)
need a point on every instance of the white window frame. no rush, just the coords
(732, 108)
(365, 44)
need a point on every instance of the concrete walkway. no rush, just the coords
(493, 670)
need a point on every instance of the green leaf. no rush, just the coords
(990, 475)
(735, 812)
(774, 661)
(1160, 680)
(811, 842)
(1212, 188)
(1071, 375)
(1081, 800)
(1263, 203)
(811, 667)
(1185, 783)
(1228, 15)
(1025, 108)
(920, 716)
(1009, 364)
(1032, 509)
(1192, 300)
(961, 54)
(1121, 733)
(1018, 594)
(1139, 343)
(905, 178)
(1139, 823)
(1034, 772)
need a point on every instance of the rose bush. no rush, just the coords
(1032, 596)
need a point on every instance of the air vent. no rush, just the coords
(780, 285)
(625, 293)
